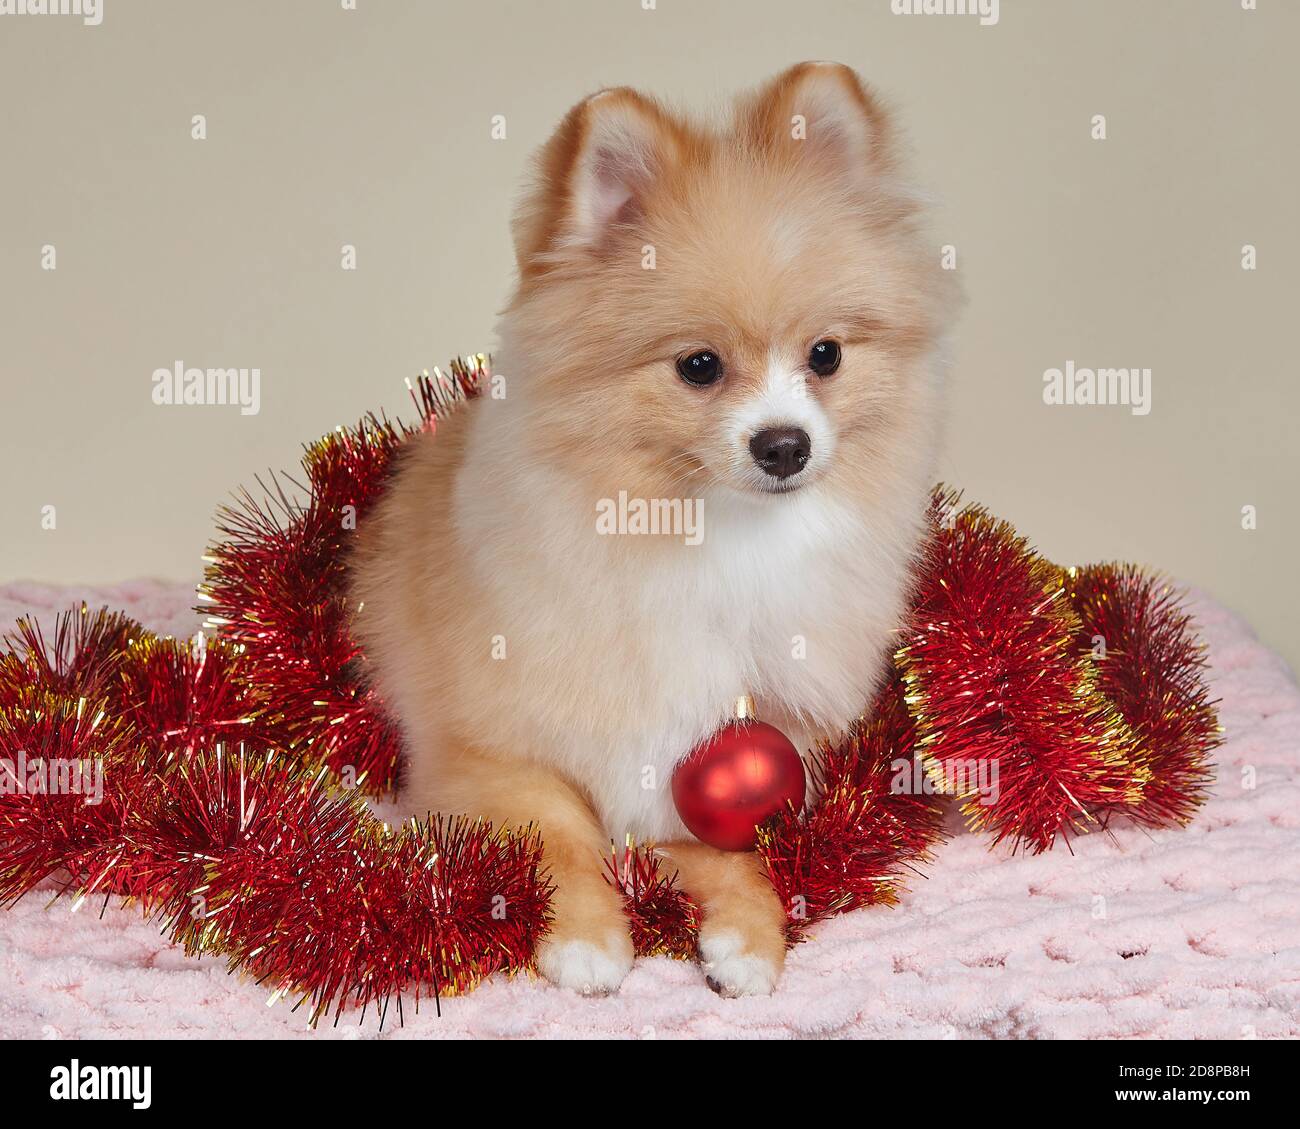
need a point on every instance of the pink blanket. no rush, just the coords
(1191, 934)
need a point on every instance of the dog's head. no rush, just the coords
(744, 308)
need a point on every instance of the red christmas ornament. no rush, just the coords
(742, 775)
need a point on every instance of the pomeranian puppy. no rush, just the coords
(744, 319)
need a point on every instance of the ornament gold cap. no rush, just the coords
(745, 708)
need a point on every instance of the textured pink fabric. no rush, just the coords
(1191, 933)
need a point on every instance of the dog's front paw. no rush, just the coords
(732, 968)
(586, 966)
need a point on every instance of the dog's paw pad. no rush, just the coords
(584, 966)
(731, 971)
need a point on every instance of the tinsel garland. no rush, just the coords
(1082, 686)
(257, 856)
(235, 767)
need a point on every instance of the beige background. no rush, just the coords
(371, 127)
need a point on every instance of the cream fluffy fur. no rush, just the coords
(545, 674)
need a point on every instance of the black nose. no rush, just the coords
(781, 451)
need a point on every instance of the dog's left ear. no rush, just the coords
(595, 174)
(823, 112)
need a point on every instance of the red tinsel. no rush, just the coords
(1003, 673)
(259, 857)
(46, 828)
(234, 768)
(871, 827)
(662, 918)
(274, 587)
(1149, 662)
(994, 678)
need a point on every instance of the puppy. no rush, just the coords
(743, 319)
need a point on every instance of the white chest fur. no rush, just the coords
(618, 661)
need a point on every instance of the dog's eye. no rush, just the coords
(700, 368)
(824, 358)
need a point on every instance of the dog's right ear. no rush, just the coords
(824, 114)
(594, 176)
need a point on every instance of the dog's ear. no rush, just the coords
(821, 112)
(594, 175)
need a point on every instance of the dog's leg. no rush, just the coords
(742, 935)
(588, 948)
